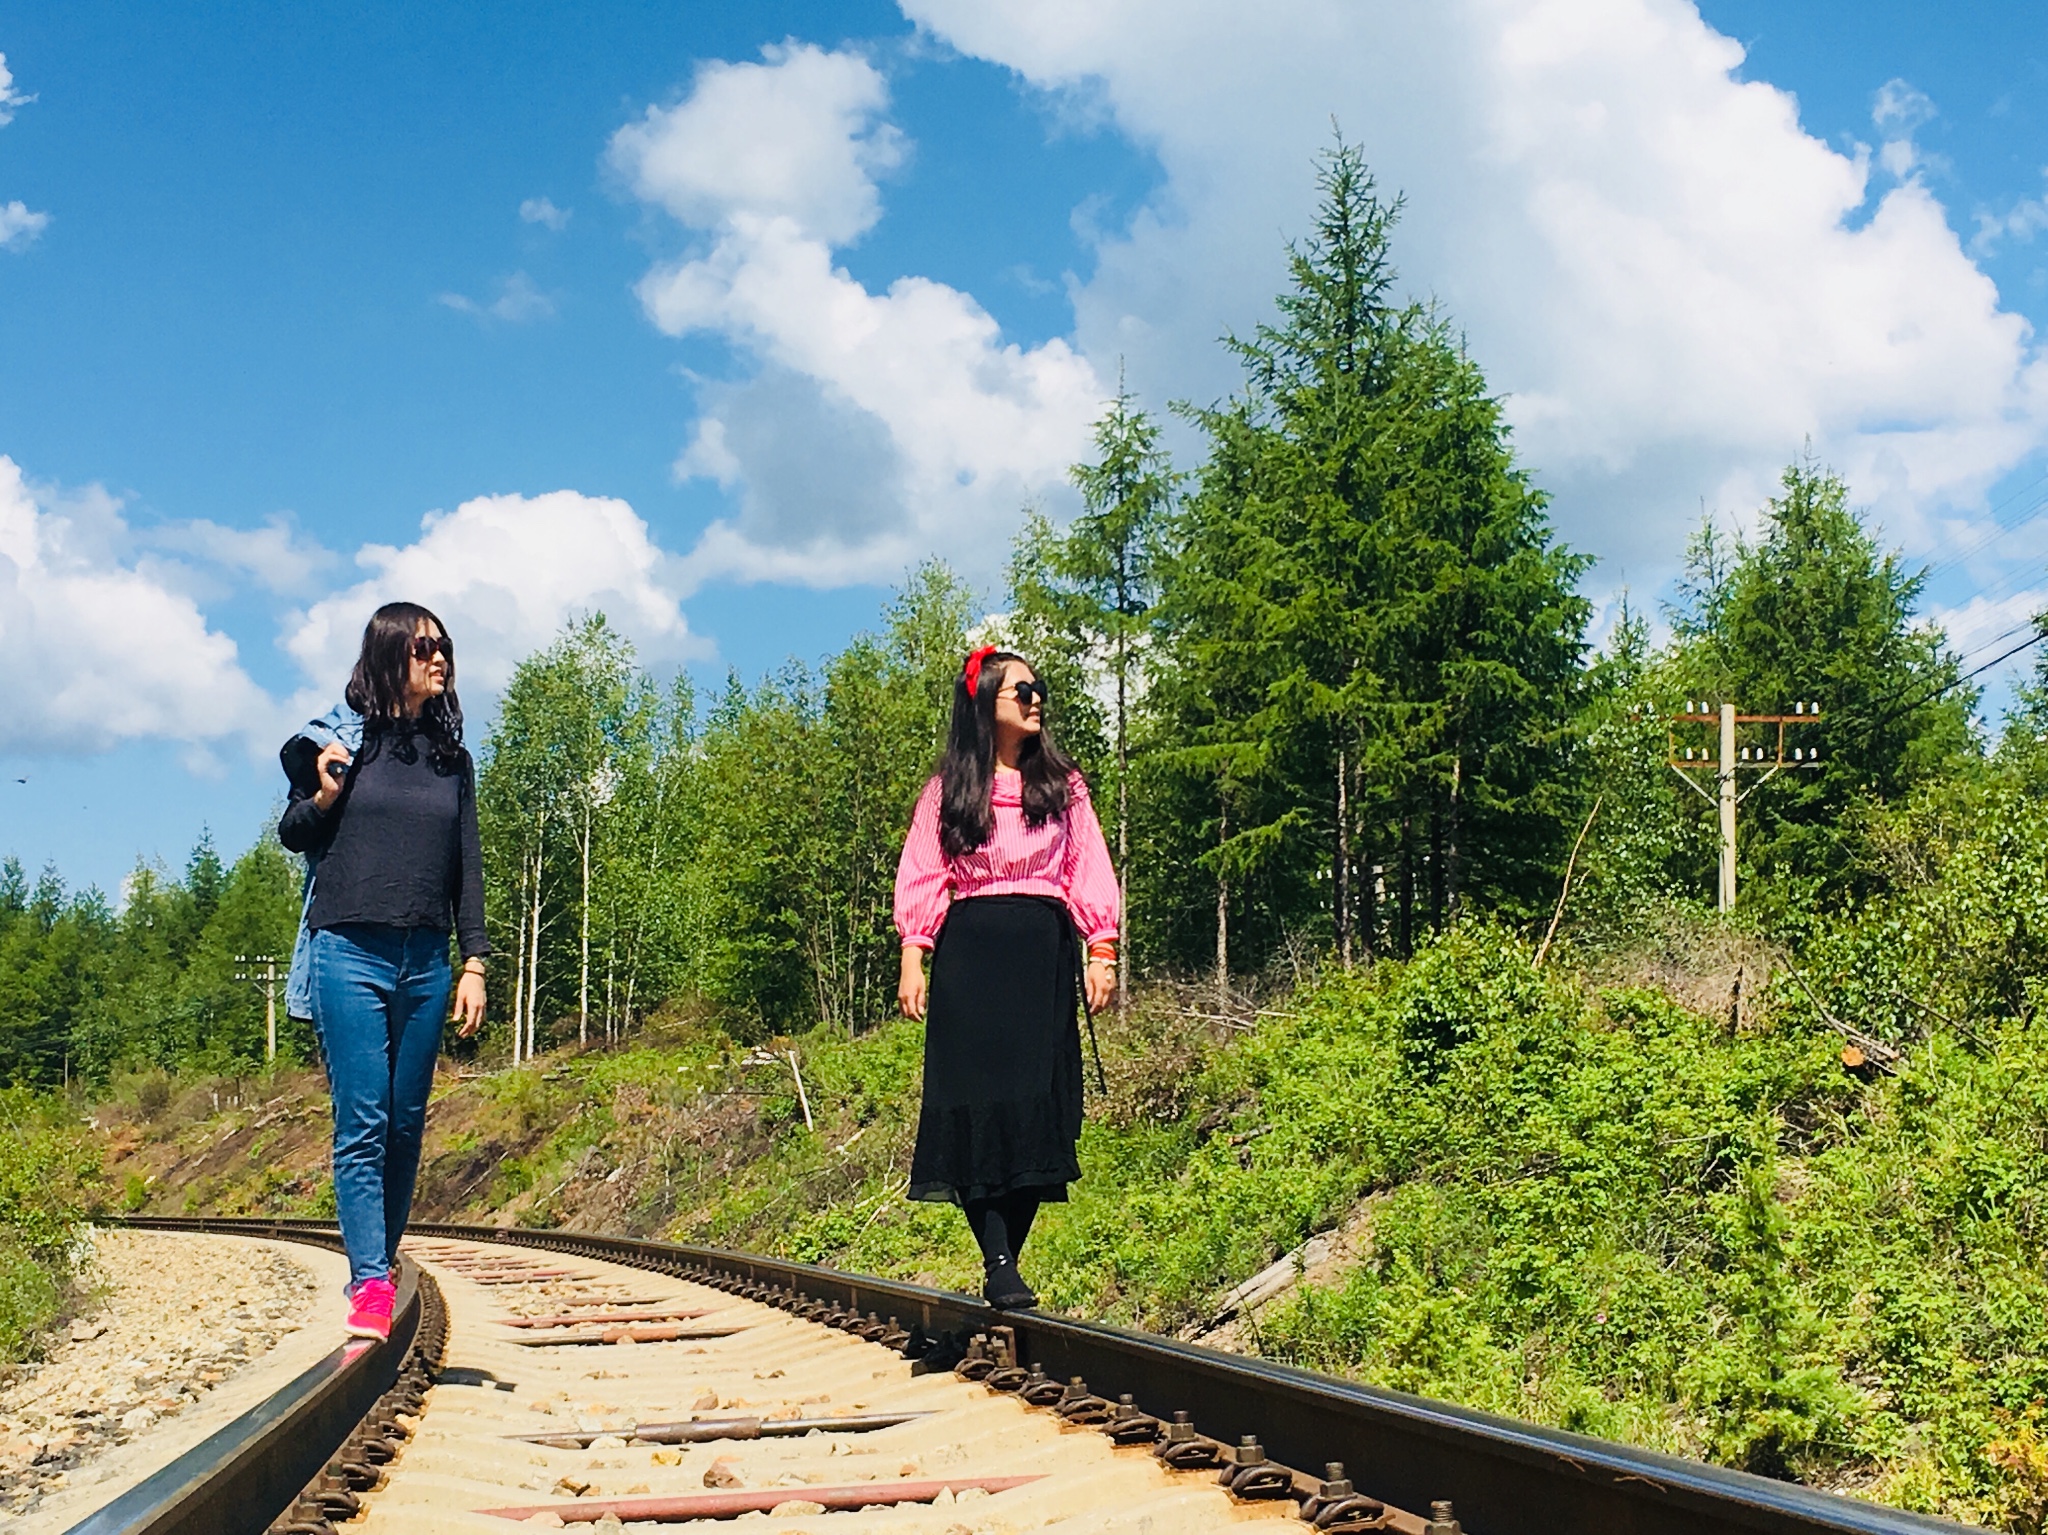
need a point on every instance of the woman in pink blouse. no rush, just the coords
(1004, 878)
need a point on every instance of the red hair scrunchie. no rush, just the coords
(971, 672)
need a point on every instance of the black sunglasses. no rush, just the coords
(424, 646)
(1026, 691)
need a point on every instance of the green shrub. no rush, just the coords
(48, 1176)
(31, 1298)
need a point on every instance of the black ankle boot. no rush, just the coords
(1005, 1289)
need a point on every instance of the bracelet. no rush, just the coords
(472, 967)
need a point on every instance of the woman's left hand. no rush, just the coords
(469, 1003)
(1100, 984)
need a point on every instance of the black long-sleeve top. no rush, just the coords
(399, 848)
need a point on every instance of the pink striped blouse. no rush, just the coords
(1065, 858)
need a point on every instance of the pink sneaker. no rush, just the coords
(369, 1309)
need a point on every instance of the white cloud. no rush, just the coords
(542, 210)
(104, 637)
(19, 226)
(1900, 107)
(2019, 223)
(94, 649)
(798, 137)
(1674, 283)
(505, 573)
(1900, 110)
(10, 98)
(878, 426)
(277, 556)
(518, 301)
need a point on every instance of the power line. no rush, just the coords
(1952, 684)
(1963, 659)
(1998, 532)
(1978, 648)
(2025, 644)
(2025, 571)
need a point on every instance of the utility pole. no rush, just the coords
(1728, 801)
(267, 979)
(1727, 757)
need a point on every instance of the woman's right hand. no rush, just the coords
(328, 771)
(910, 985)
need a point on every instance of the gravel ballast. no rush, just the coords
(187, 1332)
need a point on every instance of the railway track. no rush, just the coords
(556, 1379)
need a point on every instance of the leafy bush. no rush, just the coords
(2021, 1451)
(48, 1175)
(31, 1296)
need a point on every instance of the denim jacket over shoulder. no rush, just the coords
(300, 757)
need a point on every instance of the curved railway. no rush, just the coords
(563, 1380)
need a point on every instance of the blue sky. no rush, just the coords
(720, 338)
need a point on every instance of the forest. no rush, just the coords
(1332, 686)
(1405, 859)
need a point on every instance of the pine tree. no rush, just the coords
(1387, 639)
(1089, 590)
(1295, 521)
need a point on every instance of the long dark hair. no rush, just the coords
(967, 770)
(376, 688)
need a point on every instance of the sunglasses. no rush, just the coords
(1026, 691)
(424, 646)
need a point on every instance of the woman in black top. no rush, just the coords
(400, 869)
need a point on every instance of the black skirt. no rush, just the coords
(1002, 1053)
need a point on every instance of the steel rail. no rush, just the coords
(1504, 1477)
(247, 1474)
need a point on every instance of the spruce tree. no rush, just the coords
(1370, 582)
(1090, 589)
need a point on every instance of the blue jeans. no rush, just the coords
(380, 996)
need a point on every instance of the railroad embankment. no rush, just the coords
(172, 1337)
(1644, 1198)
